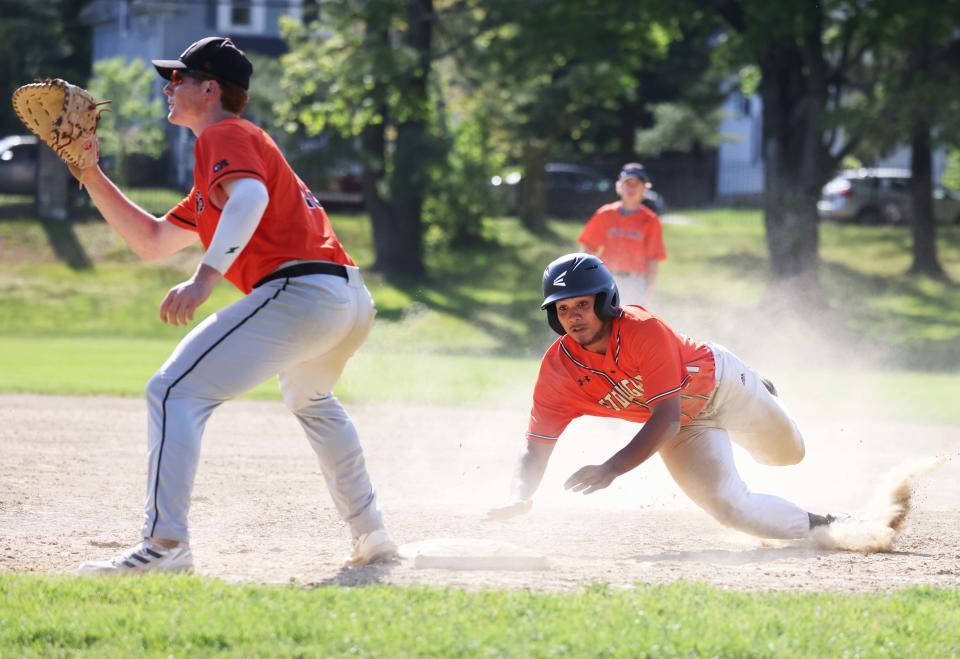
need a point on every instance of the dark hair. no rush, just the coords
(233, 98)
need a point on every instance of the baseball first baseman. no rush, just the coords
(305, 312)
(692, 398)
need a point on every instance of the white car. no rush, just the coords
(880, 196)
(18, 164)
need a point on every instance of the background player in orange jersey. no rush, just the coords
(628, 236)
(691, 397)
(305, 312)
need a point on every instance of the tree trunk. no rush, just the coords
(395, 203)
(925, 260)
(533, 190)
(796, 164)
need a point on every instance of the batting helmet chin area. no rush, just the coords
(574, 275)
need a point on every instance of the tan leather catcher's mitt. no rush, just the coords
(64, 116)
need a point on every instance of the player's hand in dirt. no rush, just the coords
(183, 299)
(507, 511)
(591, 478)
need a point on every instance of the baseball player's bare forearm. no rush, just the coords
(530, 470)
(526, 479)
(150, 237)
(663, 424)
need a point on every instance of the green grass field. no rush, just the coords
(189, 616)
(99, 330)
(79, 316)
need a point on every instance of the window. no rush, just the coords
(240, 13)
(242, 16)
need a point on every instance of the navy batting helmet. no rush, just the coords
(573, 275)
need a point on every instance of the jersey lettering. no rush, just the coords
(309, 198)
(651, 363)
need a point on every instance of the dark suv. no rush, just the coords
(18, 164)
(573, 191)
(880, 196)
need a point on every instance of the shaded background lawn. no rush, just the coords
(79, 313)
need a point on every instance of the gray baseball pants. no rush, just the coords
(700, 457)
(302, 328)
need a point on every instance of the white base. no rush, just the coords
(471, 554)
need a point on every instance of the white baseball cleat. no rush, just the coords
(145, 557)
(373, 547)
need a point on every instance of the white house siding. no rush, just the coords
(739, 164)
(162, 29)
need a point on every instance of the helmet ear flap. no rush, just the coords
(605, 305)
(553, 320)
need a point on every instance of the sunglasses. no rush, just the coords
(179, 76)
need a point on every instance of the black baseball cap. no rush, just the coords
(218, 57)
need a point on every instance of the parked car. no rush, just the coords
(18, 164)
(573, 191)
(880, 196)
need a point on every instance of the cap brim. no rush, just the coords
(166, 67)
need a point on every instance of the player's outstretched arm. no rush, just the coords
(150, 237)
(663, 424)
(526, 479)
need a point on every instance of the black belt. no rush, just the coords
(301, 269)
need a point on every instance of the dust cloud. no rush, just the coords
(880, 522)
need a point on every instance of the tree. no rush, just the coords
(554, 64)
(133, 125)
(816, 89)
(363, 70)
(580, 78)
(39, 39)
(920, 56)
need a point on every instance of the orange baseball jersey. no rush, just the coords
(293, 227)
(629, 242)
(646, 361)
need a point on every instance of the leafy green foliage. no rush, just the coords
(678, 127)
(134, 123)
(459, 193)
(951, 174)
(39, 40)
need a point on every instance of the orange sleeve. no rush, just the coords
(658, 352)
(656, 250)
(551, 412)
(184, 214)
(228, 151)
(592, 235)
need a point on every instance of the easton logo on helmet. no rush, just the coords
(559, 280)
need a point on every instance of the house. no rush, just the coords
(161, 29)
(740, 158)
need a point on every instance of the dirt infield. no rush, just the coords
(73, 472)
